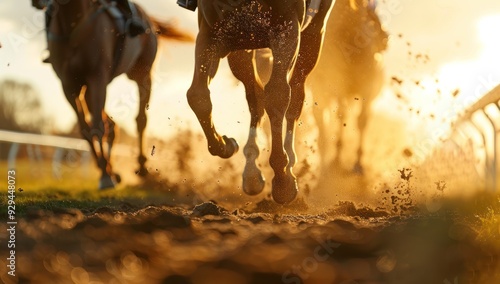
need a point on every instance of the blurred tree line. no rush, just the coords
(21, 110)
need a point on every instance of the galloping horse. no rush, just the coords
(88, 51)
(229, 28)
(349, 71)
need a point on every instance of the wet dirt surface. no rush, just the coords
(209, 244)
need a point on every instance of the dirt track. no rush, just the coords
(208, 244)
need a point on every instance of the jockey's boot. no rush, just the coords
(188, 4)
(134, 25)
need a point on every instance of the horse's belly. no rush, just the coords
(243, 27)
(245, 40)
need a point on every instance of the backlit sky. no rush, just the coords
(461, 39)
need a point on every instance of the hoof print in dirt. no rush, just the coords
(207, 208)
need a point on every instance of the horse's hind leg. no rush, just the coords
(198, 96)
(242, 66)
(143, 81)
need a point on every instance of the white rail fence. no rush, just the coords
(483, 120)
(61, 144)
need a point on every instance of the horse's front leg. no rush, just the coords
(277, 99)
(242, 66)
(198, 97)
(99, 135)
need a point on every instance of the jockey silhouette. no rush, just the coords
(134, 25)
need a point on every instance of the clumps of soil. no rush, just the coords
(207, 208)
(400, 199)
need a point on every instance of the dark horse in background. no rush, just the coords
(288, 28)
(89, 48)
(349, 72)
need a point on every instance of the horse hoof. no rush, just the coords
(231, 147)
(284, 190)
(106, 182)
(253, 184)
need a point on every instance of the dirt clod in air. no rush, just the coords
(406, 174)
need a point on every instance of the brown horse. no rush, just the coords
(349, 71)
(87, 52)
(228, 27)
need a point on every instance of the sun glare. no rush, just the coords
(488, 31)
(464, 82)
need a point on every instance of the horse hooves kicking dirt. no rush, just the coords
(295, 35)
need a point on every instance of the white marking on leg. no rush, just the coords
(290, 150)
(253, 181)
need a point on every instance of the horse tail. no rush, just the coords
(169, 30)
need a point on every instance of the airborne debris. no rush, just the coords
(20, 189)
(455, 92)
(397, 80)
(153, 150)
(441, 185)
(406, 174)
(407, 152)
